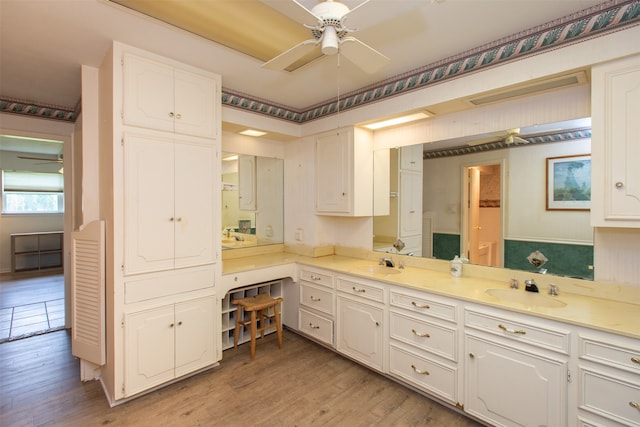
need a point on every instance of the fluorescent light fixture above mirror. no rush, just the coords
(252, 132)
(398, 120)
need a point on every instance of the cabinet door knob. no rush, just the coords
(171, 219)
(178, 116)
(171, 114)
(180, 323)
(179, 219)
(171, 325)
(619, 184)
(472, 356)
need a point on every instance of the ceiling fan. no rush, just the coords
(43, 159)
(514, 138)
(331, 34)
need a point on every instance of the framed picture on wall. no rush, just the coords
(569, 182)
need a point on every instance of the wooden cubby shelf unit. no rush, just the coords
(229, 311)
(36, 251)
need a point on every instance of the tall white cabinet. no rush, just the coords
(615, 105)
(160, 164)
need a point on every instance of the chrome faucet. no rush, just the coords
(553, 290)
(513, 284)
(388, 262)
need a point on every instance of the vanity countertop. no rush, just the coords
(597, 313)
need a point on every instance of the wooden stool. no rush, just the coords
(257, 305)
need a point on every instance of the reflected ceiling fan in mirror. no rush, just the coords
(331, 34)
(513, 137)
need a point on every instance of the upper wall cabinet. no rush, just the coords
(344, 173)
(163, 97)
(615, 143)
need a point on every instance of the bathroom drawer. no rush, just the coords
(317, 297)
(423, 304)
(610, 354)
(317, 277)
(368, 290)
(426, 374)
(614, 397)
(316, 326)
(548, 337)
(424, 335)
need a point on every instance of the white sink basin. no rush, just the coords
(528, 299)
(378, 269)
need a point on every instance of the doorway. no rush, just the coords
(482, 240)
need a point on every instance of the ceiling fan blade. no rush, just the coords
(292, 55)
(362, 55)
(518, 140)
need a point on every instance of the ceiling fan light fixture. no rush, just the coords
(329, 41)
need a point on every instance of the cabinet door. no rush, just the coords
(411, 158)
(615, 148)
(410, 204)
(194, 340)
(195, 98)
(333, 172)
(149, 344)
(148, 203)
(360, 332)
(148, 93)
(512, 387)
(194, 202)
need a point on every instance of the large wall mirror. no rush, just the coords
(252, 201)
(486, 197)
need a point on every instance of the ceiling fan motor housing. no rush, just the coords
(329, 29)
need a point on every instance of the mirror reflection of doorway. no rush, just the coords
(482, 214)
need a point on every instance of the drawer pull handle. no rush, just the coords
(420, 334)
(512, 331)
(312, 326)
(315, 299)
(418, 371)
(635, 405)
(636, 360)
(416, 305)
(358, 290)
(313, 277)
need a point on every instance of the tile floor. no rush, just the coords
(31, 319)
(30, 305)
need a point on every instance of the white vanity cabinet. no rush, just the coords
(316, 312)
(168, 202)
(361, 308)
(615, 105)
(608, 379)
(516, 369)
(424, 342)
(344, 172)
(166, 342)
(164, 96)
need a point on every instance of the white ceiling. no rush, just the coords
(43, 43)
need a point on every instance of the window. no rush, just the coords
(32, 192)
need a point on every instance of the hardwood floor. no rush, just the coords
(303, 384)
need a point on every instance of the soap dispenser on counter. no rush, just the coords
(456, 267)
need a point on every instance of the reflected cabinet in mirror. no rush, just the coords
(252, 201)
(487, 198)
